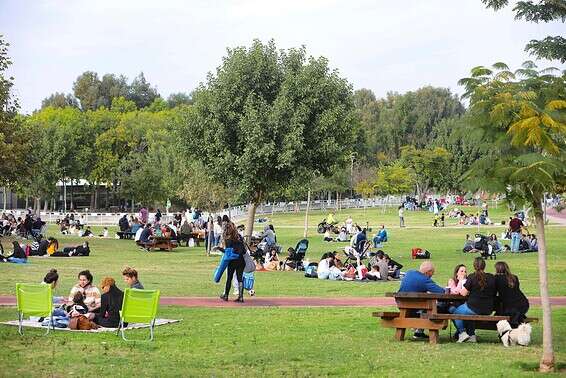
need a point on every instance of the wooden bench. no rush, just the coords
(488, 322)
(161, 244)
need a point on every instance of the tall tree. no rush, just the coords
(266, 117)
(428, 166)
(180, 98)
(523, 113)
(141, 92)
(60, 100)
(15, 138)
(551, 47)
(111, 87)
(87, 89)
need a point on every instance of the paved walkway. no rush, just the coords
(556, 217)
(287, 301)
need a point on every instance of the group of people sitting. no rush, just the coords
(101, 306)
(42, 247)
(484, 294)
(380, 267)
(29, 226)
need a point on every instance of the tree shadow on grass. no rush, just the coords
(533, 367)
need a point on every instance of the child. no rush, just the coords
(442, 220)
(435, 224)
(78, 307)
(104, 233)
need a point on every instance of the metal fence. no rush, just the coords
(236, 213)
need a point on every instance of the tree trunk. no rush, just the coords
(305, 233)
(95, 205)
(72, 196)
(250, 221)
(547, 360)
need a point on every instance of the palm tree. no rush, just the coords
(523, 113)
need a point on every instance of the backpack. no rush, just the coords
(310, 271)
(81, 322)
(418, 253)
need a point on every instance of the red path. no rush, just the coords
(287, 301)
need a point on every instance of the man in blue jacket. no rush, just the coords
(420, 281)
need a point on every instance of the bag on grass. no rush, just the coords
(310, 270)
(81, 322)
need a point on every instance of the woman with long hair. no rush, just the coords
(510, 300)
(456, 283)
(480, 290)
(233, 240)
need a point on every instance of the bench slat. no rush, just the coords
(482, 318)
(385, 314)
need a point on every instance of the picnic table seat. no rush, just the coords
(488, 322)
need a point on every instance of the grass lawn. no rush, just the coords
(277, 341)
(267, 342)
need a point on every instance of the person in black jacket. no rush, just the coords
(110, 304)
(510, 300)
(233, 240)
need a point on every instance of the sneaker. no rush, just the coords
(472, 339)
(420, 336)
(463, 337)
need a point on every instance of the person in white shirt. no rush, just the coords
(401, 216)
(349, 223)
(326, 269)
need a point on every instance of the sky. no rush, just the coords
(382, 45)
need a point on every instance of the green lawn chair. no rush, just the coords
(139, 306)
(34, 300)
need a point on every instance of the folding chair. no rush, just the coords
(34, 300)
(139, 306)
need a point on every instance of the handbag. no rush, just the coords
(250, 264)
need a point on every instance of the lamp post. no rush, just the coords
(352, 156)
(64, 192)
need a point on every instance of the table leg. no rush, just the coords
(400, 334)
(433, 336)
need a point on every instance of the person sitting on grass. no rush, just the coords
(110, 304)
(373, 274)
(343, 235)
(130, 276)
(481, 290)
(80, 250)
(18, 255)
(327, 236)
(494, 243)
(380, 236)
(327, 269)
(420, 281)
(78, 307)
(90, 292)
(394, 267)
(53, 245)
(534, 242)
(468, 244)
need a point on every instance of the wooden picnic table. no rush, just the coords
(162, 243)
(429, 318)
(409, 303)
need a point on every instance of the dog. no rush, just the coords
(518, 336)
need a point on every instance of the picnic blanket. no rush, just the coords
(36, 324)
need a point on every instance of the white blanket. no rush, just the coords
(36, 324)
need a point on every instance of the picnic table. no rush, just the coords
(411, 303)
(161, 243)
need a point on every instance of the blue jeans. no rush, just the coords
(515, 240)
(376, 241)
(17, 260)
(462, 325)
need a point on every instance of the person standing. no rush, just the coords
(233, 240)
(401, 216)
(515, 226)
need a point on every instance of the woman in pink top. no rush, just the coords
(456, 283)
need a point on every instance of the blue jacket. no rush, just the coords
(415, 281)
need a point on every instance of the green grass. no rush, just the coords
(188, 271)
(276, 341)
(267, 342)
